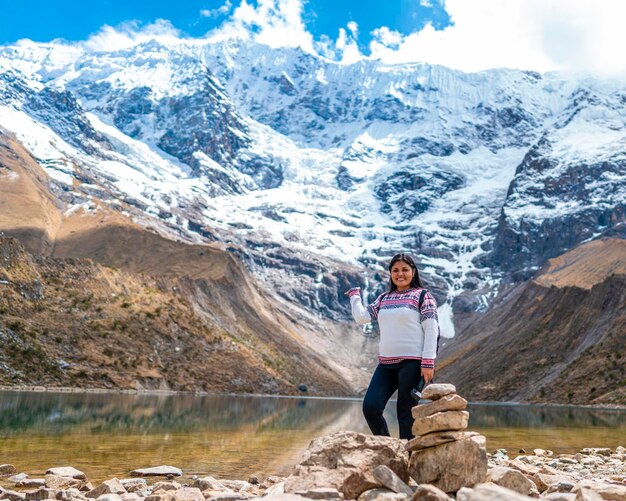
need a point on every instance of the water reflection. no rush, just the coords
(234, 436)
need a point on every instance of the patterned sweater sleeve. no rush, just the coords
(430, 324)
(361, 314)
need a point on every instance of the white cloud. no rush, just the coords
(130, 34)
(354, 28)
(570, 35)
(277, 23)
(220, 11)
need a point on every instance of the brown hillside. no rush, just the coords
(545, 343)
(211, 282)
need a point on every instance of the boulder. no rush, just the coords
(7, 469)
(437, 438)
(29, 483)
(391, 481)
(452, 465)
(490, 492)
(187, 494)
(526, 469)
(586, 494)
(209, 483)
(381, 495)
(235, 485)
(67, 471)
(113, 486)
(427, 492)
(166, 486)
(545, 480)
(157, 471)
(446, 403)
(345, 461)
(42, 493)
(11, 495)
(596, 451)
(441, 421)
(512, 479)
(436, 391)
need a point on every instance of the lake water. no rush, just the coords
(108, 435)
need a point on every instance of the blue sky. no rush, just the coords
(73, 20)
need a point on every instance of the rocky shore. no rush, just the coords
(442, 462)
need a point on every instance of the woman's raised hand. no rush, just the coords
(353, 291)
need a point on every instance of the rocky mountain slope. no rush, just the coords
(561, 337)
(302, 165)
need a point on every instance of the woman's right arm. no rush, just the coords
(360, 314)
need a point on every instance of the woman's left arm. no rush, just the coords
(430, 325)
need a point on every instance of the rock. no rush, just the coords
(436, 391)
(18, 478)
(87, 486)
(442, 421)
(345, 460)
(29, 483)
(113, 486)
(512, 479)
(130, 496)
(427, 492)
(7, 469)
(276, 489)
(213, 493)
(42, 493)
(609, 491)
(390, 480)
(561, 486)
(11, 495)
(451, 466)
(526, 469)
(67, 471)
(381, 495)
(321, 493)
(71, 494)
(157, 471)
(166, 486)
(437, 438)
(208, 482)
(446, 403)
(133, 484)
(586, 494)
(596, 451)
(226, 496)
(188, 494)
(62, 483)
(281, 497)
(235, 485)
(544, 480)
(109, 497)
(560, 496)
(489, 492)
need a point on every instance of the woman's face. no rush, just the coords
(401, 275)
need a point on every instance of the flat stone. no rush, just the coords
(489, 492)
(441, 421)
(30, 483)
(427, 492)
(608, 490)
(451, 466)
(67, 471)
(236, 485)
(446, 403)
(321, 493)
(228, 496)
(561, 486)
(437, 438)
(586, 494)
(7, 469)
(436, 391)
(512, 479)
(381, 495)
(157, 471)
(545, 480)
(391, 481)
(113, 486)
(526, 469)
(276, 489)
(18, 478)
(596, 451)
(560, 496)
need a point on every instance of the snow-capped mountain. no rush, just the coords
(315, 172)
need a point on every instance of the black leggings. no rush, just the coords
(402, 376)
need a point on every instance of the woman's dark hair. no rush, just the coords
(415, 281)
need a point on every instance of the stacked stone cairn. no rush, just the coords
(442, 453)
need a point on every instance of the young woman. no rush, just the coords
(408, 343)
